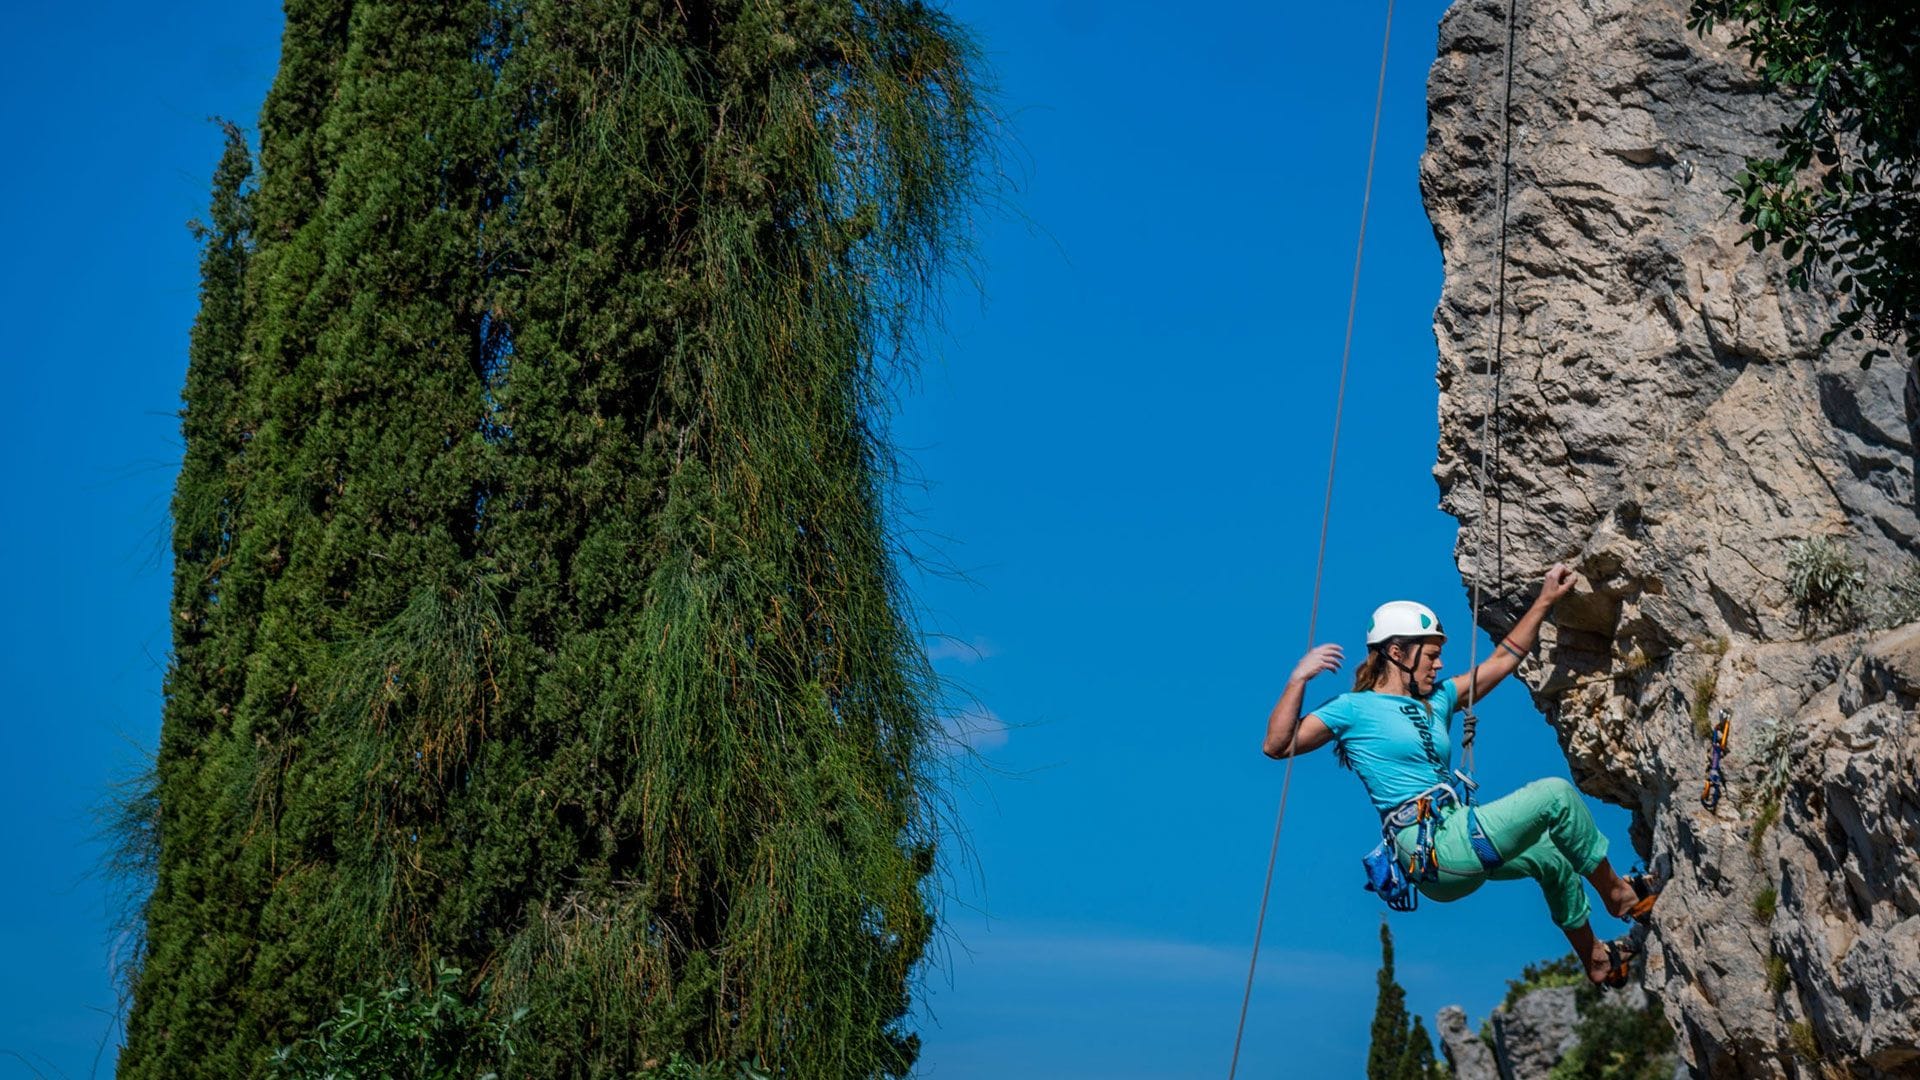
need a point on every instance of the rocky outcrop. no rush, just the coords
(1535, 1032)
(1530, 1036)
(1468, 1057)
(1668, 424)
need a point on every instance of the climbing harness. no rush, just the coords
(1424, 812)
(1717, 749)
(1483, 849)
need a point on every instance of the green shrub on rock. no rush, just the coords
(1825, 582)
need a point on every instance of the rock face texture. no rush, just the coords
(1668, 425)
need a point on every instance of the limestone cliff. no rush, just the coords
(1529, 1036)
(1668, 425)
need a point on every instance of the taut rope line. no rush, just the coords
(1326, 513)
(1490, 422)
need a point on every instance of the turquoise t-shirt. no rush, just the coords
(1399, 746)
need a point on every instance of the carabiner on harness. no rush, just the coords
(1424, 863)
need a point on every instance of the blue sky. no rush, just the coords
(1123, 442)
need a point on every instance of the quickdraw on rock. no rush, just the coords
(1716, 750)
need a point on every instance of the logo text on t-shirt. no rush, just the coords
(1422, 717)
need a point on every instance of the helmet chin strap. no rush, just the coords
(1413, 683)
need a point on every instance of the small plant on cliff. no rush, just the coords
(1772, 745)
(1898, 601)
(1765, 903)
(1756, 840)
(1824, 581)
(1701, 710)
(1777, 973)
(1805, 1046)
(1773, 751)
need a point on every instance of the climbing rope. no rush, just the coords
(1490, 422)
(1326, 514)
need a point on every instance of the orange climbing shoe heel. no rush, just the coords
(1620, 954)
(1646, 890)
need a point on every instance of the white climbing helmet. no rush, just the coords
(1403, 618)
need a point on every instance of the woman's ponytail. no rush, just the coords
(1367, 675)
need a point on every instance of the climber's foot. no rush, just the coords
(1611, 962)
(1646, 886)
(1642, 891)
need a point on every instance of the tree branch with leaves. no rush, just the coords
(1839, 199)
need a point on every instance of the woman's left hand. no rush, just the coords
(1557, 583)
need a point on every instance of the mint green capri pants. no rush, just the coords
(1543, 832)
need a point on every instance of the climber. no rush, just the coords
(1393, 730)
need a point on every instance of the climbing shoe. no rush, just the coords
(1646, 889)
(1620, 954)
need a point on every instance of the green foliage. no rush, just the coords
(1400, 1049)
(129, 833)
(1618, 1043)
(405, 1031)
(1757, 837)
(1417, 1062)
(1897, 601)
(1765, 903)
(679, 1068)
(1801, 1040)
(1772, 751)
(1824, 581)
(535, 602)
(1564, 971)
(1777, 974)
(1839, 199)
(1701, 708)
(1614, 1042)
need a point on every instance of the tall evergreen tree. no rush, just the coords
(535, 608)
(1389, 1044)
(1418, 1062)
(1401, 1048)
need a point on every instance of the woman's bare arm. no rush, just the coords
(1288, 733)
(1475, 684)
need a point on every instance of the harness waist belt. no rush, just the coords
(1438, 797)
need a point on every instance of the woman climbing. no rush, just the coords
(1393, 730)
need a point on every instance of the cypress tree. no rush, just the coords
(1418, 1062)
(1401, 1049)
(1389, 1047)
(535, 605)
(211, 634)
